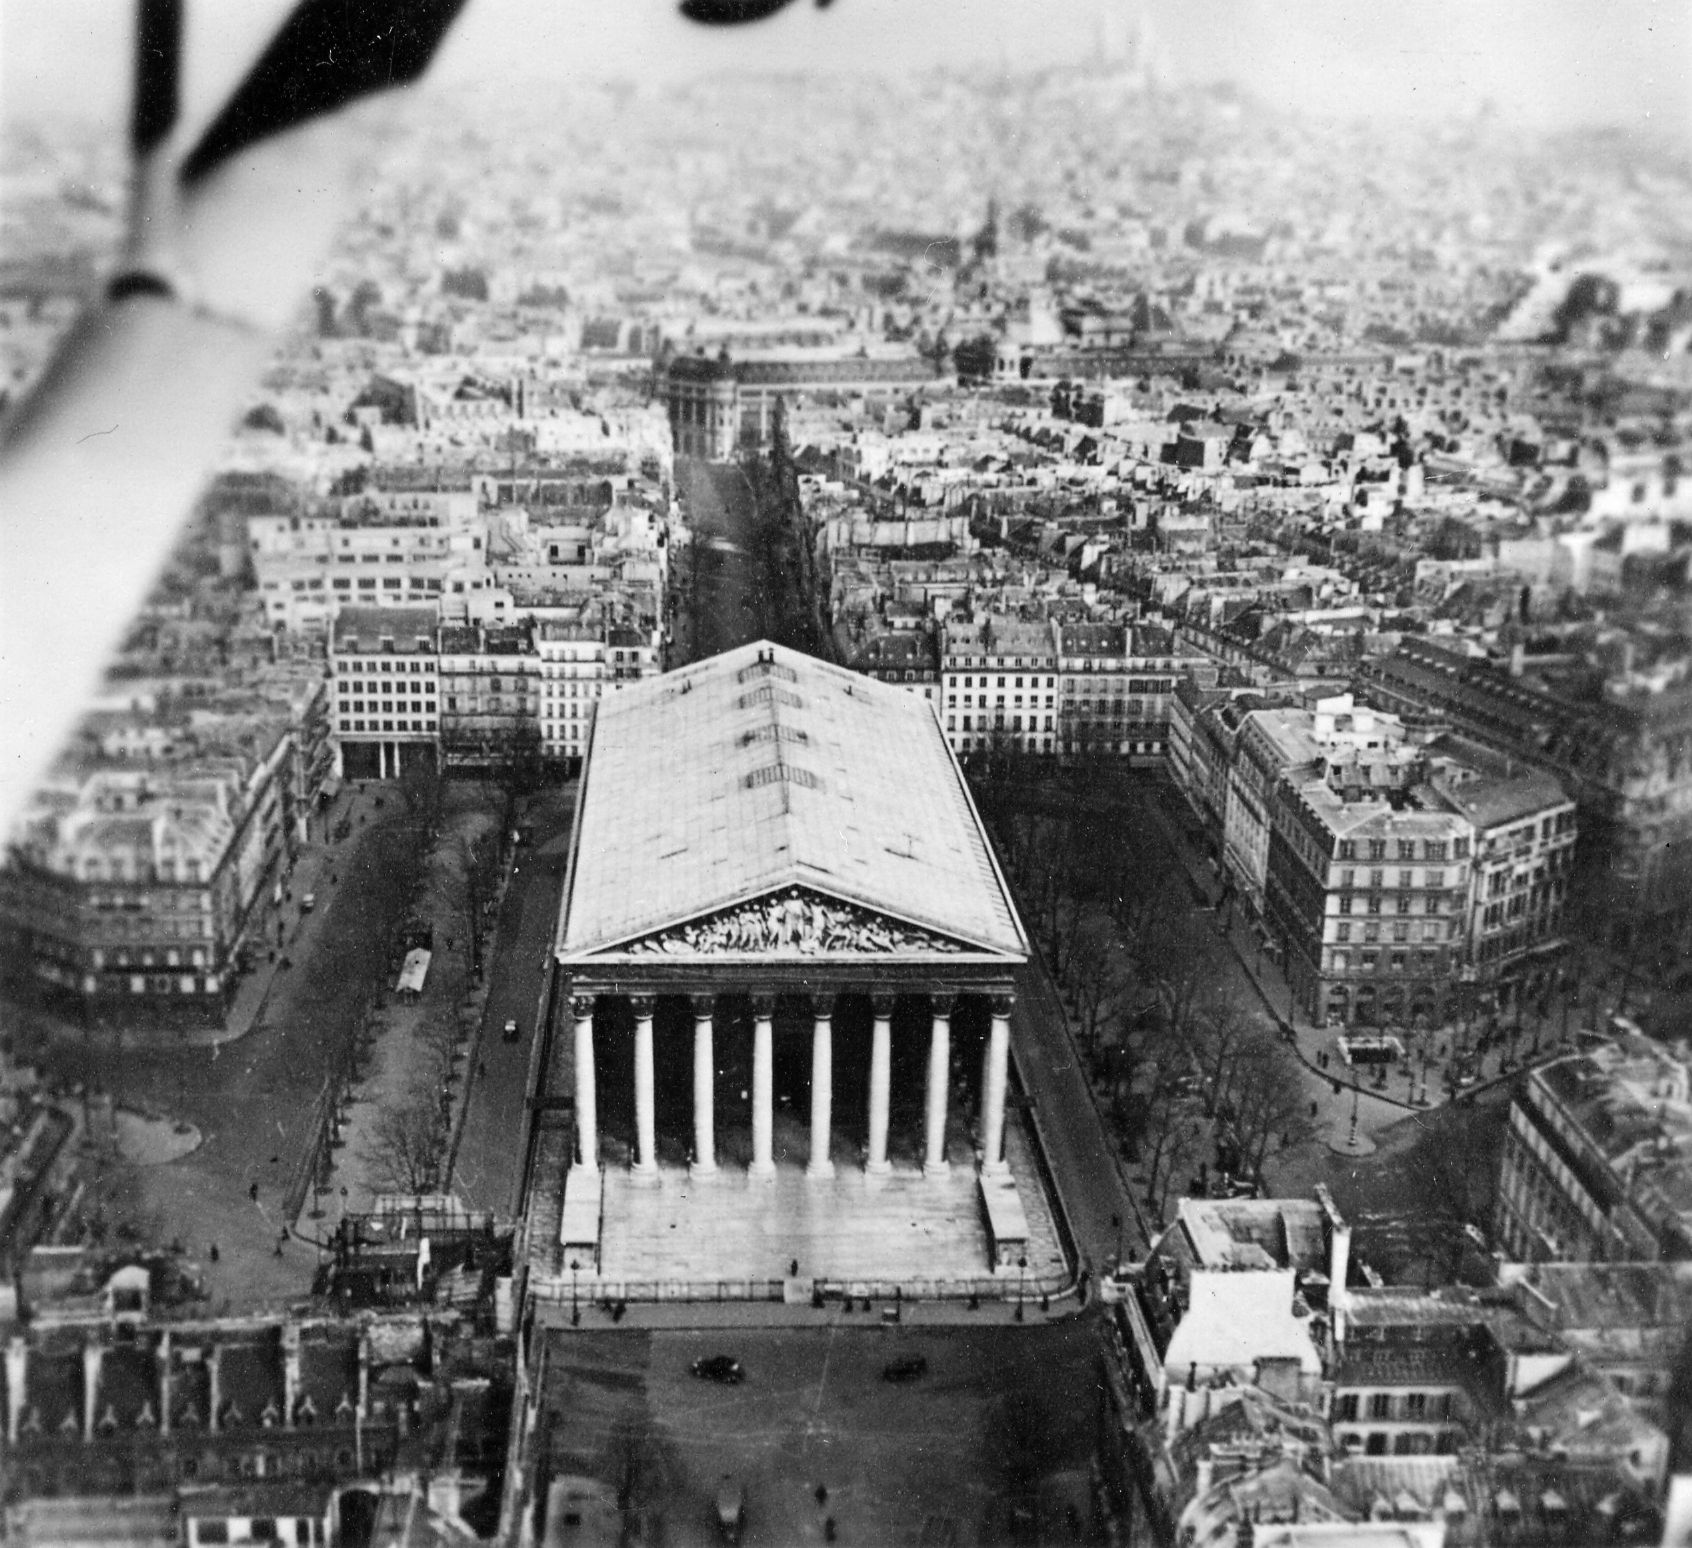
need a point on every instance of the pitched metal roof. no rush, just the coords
(762, 769)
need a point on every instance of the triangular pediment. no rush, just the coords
(795, 923)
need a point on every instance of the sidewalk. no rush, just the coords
(782, 1314)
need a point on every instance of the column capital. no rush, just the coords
(1003, 1003)
(704, 1006)
(581, 1006)
(643, 1005)
(881, 1002)
(942, 1003)
(763, 1006)
(822, 1004)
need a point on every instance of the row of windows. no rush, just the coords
(387, 725)
(1377, 879)
(346, 664)
(1392, 1405)
(1402, 902)
(1405, 849)
(1376, 962)
(1401, 931)
(999, 722)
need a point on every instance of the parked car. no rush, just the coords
(308, 902)
(512, 1030)
(911, 1367)
(723, 1368)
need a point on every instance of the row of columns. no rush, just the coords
(996, 1059)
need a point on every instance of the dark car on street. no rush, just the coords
(911, 1367)
(724, 1368)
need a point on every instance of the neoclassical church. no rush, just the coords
(785, 982)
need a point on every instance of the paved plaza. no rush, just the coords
(902, 1227)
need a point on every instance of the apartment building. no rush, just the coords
(1625, 755)
(578, 664)
(1524, 854)
(1114, 698)
(1366, 896)
(999, 676)
(136, 890)
(384, 664)
(379, 548)
(1597, 1163)
(489, 697)
(1288, 742)
(903, 658)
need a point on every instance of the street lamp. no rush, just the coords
(575, 1305)
(1021, 1283)
(1351, 1141)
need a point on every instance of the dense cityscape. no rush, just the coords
(951, 809)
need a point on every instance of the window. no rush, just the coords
(1377, 879)
(1380, 1405)
(1343, 933)
(1406, 849)
(1377, 849)
(1347, 849)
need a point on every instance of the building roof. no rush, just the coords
(762, 771)
(1255, 1233)
(1490, 803)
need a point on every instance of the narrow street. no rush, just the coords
(490, 1150)
(720, 582)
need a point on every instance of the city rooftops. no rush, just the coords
(763, 771)
(1093, 639)
(372, 631)
(1253, 1233)
(1491, 803)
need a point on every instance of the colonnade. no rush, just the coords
(995, 1064)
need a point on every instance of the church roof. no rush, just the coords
(762, 771)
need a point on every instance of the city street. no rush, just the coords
(721, 604)
(252, 1100)
(489, 1158)
(815, 1433)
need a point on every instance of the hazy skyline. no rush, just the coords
(1626, 63)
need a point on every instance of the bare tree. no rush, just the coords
(1099, 979)
(1271, 1108)
(1223, 1033)
(407, 1143)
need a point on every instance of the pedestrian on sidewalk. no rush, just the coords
(252, 1192)
(214, 1252)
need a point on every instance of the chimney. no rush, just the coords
(290, 1372)
(163, 1354)
(1339, 1256)
(92, 1356)
(17, 1385)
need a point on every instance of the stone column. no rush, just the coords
(993, 1072)
(587, 1105)
(646, 1121)
(704, 1088)
(763, 1086)
(939, 1076)
(881, 1080)
(822, 1085)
